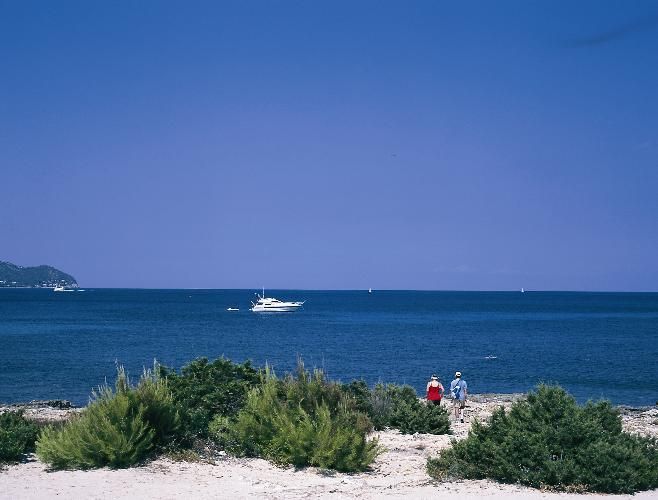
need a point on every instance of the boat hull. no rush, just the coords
(277, 308)
(270, 304)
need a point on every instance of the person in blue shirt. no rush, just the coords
(459, 389)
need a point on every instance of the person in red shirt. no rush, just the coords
(434, 390)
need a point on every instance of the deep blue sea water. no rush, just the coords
(61, 345)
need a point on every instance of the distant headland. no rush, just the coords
(13, 276)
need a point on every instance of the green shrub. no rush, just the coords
(219, 431)
(17, 436)
(550, 441)
(204, 389)
(160, 410)
(360, 396)
(110, 431)
(118, 428)
(312, 389)
(398, 407)
(382, 405)
(417, 416)
(302, 420)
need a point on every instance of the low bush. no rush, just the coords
(205, 389)
(111, 431)
(311, 389)
(549, 441)
(161, 412)
(118, 428)
(398, 407)
(301, 420)
(360, 396)
(417, 416)
(17, 436)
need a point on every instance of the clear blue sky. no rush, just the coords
(309, 144)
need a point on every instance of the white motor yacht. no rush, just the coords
(63, 289)
(269, 304)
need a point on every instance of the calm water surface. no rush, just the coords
(61, 345)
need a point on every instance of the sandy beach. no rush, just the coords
(397, 473)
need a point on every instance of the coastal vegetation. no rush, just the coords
(398, 407)
(17, 436)
(549, 441)
(206, 389)
(301, 419)
(119, 428)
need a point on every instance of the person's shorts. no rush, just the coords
(461, 403)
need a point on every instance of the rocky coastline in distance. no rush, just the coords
(13, 276)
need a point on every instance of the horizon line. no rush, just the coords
(516, 290)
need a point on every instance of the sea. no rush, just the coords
(596, 345)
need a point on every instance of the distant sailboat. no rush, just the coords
(369, 290)
(522, 290)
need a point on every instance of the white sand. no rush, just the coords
(399, 472)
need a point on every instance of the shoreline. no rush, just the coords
(45, 406)
(398, 473)
(641, 419)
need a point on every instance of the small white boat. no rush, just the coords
(63, 289)
(270, 304)
(232, 309)
(522, 290)
(369, 290)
